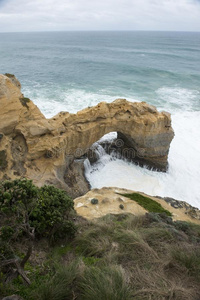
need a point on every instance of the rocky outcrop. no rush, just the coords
(190, 210)
(100, 202)
(44, 149)
(108, 201)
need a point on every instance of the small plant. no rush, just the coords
(90, 260)
(184, 226)
(9, 75)
(24, 101)
(3, 161)
(121, 206)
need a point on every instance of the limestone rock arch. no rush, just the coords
(50, 145)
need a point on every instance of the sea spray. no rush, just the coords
(67, 72)
(181, 181)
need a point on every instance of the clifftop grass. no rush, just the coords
(147, 203)
(118, 257)
(48, 252)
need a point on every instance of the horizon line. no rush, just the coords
(105, 30)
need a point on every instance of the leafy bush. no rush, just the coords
(45, 209)
(27, 212)
(50, 216)
(17, 196)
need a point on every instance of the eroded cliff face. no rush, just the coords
(44, 149)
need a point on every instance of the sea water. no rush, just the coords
(69, 71)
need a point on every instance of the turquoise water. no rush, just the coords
(57, 66)
(72, 70)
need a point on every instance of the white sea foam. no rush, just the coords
(180, 182)
(71, 100)
(182, 179)
(178, 98)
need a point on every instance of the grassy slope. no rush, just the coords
(118, 257)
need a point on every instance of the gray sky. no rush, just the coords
(53, 15)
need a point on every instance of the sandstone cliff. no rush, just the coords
(44, 149)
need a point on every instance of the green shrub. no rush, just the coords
(46, 209)
(26, 213)
(181, 225)
(17, 199)
(16, 196)
(50, 216)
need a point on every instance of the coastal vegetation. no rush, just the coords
(148, 203)
(49, 252)
(24, 101)
(3, 161)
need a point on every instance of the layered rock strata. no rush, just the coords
(45, 149)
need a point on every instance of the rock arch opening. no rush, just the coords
(49, 146)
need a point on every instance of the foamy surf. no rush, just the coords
(182, 178)
(176, 98)
(70, 100)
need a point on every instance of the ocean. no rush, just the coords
(68, 71)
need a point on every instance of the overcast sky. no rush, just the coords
(55, 15)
